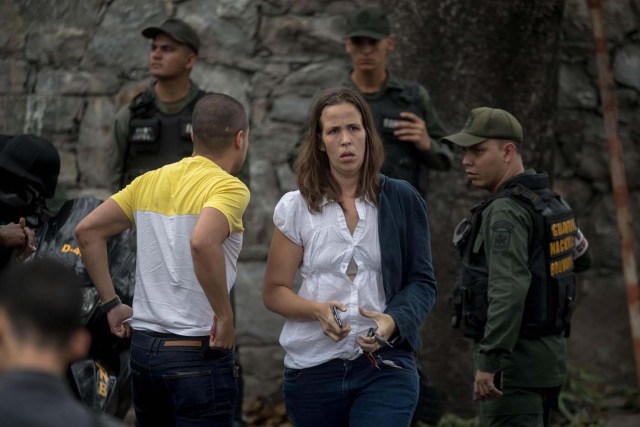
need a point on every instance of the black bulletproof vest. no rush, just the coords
(551, 293)
(156, 139)
(401, 157)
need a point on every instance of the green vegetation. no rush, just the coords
(450, 420)
(586, 400)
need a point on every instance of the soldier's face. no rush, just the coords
(486, 164)
(368, 54)
(169, 59)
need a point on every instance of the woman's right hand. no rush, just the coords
(330, 327)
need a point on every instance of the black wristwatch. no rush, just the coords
(106, 307)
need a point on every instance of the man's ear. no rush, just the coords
(79, 344)
(191, 60)
(347, 45)
(390, 43)
(510, 150)
(191, 133)
(239, 139)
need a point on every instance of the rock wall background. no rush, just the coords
(66, 67)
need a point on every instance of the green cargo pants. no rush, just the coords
(520, 407)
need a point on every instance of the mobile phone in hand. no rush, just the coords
(336, 315)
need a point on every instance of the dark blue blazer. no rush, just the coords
(405, 247)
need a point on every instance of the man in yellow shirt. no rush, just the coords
(188, 217)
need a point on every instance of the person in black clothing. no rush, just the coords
(29, 168)
(40, 333)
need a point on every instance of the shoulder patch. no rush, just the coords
(502, 225)
(501, 236)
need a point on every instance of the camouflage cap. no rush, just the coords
(487, 123)
(177, 30)
(368, 22)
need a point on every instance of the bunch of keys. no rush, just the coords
(383, 343)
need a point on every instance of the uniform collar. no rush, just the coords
(392, 82)
(175, 106)
(530, 178)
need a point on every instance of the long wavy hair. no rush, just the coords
(312, 168)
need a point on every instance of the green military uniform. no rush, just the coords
(117, 160)
(533, 368)
(520, 250)
(408, 163)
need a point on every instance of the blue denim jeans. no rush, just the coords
(353, 392)
(180, 381)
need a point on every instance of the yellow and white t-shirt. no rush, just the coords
(165, 204)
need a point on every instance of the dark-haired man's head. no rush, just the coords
(40, 307)
(220, 128)
(174, 49)
(368, 40)
(491, 139)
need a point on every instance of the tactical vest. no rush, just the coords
(400, 157)
(551, 293)
(154, 138)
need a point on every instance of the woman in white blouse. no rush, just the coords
(361, 242)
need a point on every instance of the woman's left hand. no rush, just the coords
(386, 329)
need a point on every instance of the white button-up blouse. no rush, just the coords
(328, 247)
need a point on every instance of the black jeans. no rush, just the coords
(180, 381)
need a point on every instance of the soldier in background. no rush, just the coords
(403, 111)
(155, 129)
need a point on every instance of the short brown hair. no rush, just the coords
(216, 120)
(312, 168)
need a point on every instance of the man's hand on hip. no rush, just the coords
(116, 317)
(224, 337)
